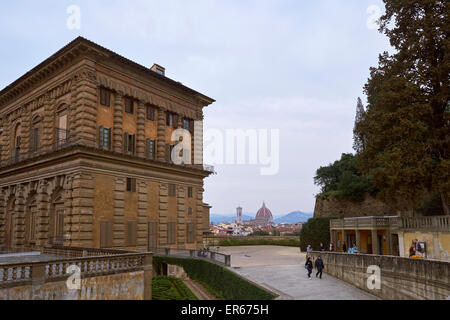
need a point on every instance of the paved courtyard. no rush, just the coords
(281, 269)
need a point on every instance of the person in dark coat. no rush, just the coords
(309, 267)
(322, 248)
(319, 266)
(344, 248)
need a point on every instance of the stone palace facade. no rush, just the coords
(85, 155)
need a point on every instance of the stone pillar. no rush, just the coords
(68, 183)
(118, 122)
(85, 87)
(140, 139)
(19, 218)
(2, 218)
(119, 213)
(375, 242)
(142, 220)
(401, 245)
(358, 240)
(148, 275)
(161, 141)
(82, 210)
(26, 127)
(48, 124)
(163, 213)
(199, 218)
(181, 217)
(388, 242)
(43, 214)
(197, 141)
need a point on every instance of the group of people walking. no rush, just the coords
(318, 264)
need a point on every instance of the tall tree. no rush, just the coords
(406, 126)
(358, 137)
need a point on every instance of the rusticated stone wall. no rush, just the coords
(123, 286)
(339, 208)
(401, 278)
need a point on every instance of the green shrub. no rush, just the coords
(220, 281)
(168, 288)
(314, 232)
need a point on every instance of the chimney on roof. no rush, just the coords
(159, 69)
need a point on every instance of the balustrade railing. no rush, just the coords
(106, 262)
(63, 139)
(186, 253)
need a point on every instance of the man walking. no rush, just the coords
(319, 266)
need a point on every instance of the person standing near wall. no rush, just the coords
(344, 248)
(319, 266)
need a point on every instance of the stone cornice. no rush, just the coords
(66, 56)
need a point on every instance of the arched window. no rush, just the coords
(35, 133)
(57, 212)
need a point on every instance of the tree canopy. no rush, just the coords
(342, 179)
(405, 128)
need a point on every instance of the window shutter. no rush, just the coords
(175, 121)
(134, 144)
(103, 235)
(152, 148)
(125, 142)
(100, 136)
(191, 126)
(109, 138)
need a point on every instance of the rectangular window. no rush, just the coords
(129, 105)
(150, 114)
(150, 148)
(171, 233)
(106, 234)
(172, 120)
(131, 184)
(34, 139)
(172, 190)
(129, 143)
(131, 233)
(104, 137)
(169, 149)
(190, 233)
(105, 97)
(190, 192)
(189, 211)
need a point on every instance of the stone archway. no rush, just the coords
(57, 214)
(31, 218)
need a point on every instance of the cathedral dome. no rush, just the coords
(264, 213)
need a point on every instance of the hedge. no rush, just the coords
(169, 288)
(314, 232)
(218, 280)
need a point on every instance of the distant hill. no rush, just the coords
(227, 218)
(294, 217)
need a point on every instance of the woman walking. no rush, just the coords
(309, 267)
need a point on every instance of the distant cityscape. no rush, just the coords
(261, 223)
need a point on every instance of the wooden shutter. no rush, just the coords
(125, 142)
(109, 138)
(152, 235)
(191, 126)
(175, 121)
(133, 185)
(100, 136)
(133, 144)
(171, 232)
(152, 149)
(147, 148)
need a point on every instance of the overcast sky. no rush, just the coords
(296, 66)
